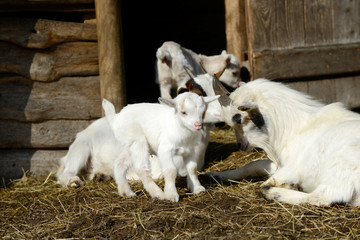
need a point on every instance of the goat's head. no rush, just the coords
(232, 74)
(241, 112)
(203, 86)
(190, 108)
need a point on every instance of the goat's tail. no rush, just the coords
(109, 110)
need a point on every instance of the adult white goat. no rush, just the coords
(172, 58)
(166, 131)
(314, 148)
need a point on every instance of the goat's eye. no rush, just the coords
(244, 109)
(184, 113)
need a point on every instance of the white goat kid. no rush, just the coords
(167, 131)
(96, 147)
(172, 58)
(315, 148)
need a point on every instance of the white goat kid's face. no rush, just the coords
(190, 108)
(191, 111)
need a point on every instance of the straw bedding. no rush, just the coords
(38, 208)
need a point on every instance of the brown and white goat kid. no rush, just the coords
(314, 149)
(172, 58)
(169, 130)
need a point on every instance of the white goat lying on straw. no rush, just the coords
(314, 148)
(141, 130)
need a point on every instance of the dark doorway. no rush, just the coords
(197, 25)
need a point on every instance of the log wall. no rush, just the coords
(49, 91)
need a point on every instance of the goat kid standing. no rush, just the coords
(168, 131)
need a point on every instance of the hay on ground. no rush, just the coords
(38, 208)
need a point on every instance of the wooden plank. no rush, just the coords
(345, 90)
(14, 162)
(49, 134)
(289, 29)
(346, 16)
(46, 6)
(43, 33)
(236, 35)
(306, 62)
(111, 60)
(261, 24)
(318, 22)
(68, 98)
(273, 25)
(67, 59)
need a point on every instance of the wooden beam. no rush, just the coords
(43, 33)
(14, 162)
(67, 59)
(47, 5)
(306, 62)
(45, 135)
(111, 65)
(24, 100)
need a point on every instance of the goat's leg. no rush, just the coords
(257, 168)
(295, 197)
(121, 165)
(169, 172)
(281, 187)
(193, 182)
(165, 89)
(75, 160)
(140, 155)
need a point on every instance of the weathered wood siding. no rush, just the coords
(303, 38)
(310, 43)
(49, 91)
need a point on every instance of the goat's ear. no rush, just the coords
(254, 115)
(166, 101)
(192, 86)
(227, 62)
(108, 107)
(223, 52)
(167, 61)
(211, 98)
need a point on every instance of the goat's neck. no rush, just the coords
(286, 123)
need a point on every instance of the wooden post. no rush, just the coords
(236, 35)
(111, 67)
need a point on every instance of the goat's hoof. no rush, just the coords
(264, 191)
(198, 189)
(75, 183)
(270, 193)
(172, 197)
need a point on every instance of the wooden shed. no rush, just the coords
(57, 62)
(58, 59)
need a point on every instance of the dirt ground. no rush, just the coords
(38, 208)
